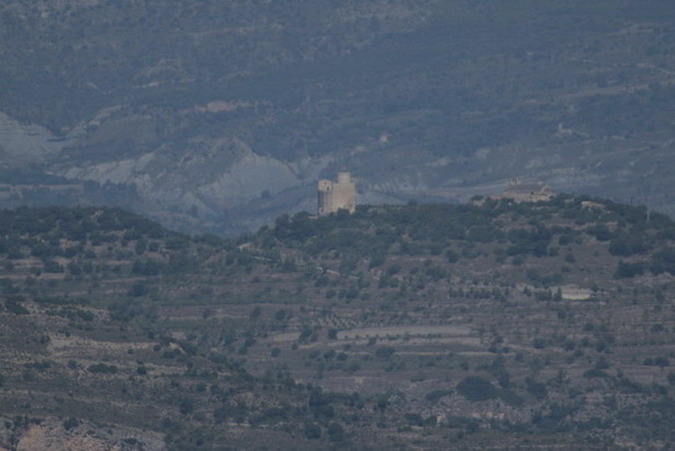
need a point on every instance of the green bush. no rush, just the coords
(71, 423)
(435, 395)
(536, 389)
(664, 261)
(476, 388)
(336, 433)
(625, 245)
(13, 305)
(102, 368)
(627, 270)
(312, 431)
(385, 352)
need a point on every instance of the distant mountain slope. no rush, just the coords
(221, 115)
(432, 326)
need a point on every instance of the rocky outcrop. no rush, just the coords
(27, 144)
(213, 179)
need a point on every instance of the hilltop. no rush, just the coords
(426, 325)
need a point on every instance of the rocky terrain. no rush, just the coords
(221, 116)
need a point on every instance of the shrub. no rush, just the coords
(539, 343)
(451, 256)
(661, 361)
(600, 231)
(13, 305)
(627, 270)
(335, 432)
(71, 423)
(595, 372)
(137, 290)
(102, 368)
(664, 261)
(626, 245)
(536, 389)
(476, 388)
(312, 431)
(385, 352)
(435, 395)
(671, 379)
(187, 406)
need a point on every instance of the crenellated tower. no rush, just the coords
(337, 195)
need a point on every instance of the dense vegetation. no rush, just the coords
(422, 325)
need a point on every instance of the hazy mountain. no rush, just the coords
(222, 115)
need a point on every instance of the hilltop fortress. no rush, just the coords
(337, 195)
(526, 192)
(340, 194)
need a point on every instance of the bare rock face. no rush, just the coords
(26, 144)
(209, 177)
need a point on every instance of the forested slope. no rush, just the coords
(421, 325)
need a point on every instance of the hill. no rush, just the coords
(413, 326)
(221, 116)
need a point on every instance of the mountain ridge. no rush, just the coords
(412, 96)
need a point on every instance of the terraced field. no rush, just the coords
(424, 326)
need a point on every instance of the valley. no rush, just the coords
(218, 118)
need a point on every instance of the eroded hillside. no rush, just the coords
(221, 116)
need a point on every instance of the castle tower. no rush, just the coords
(338, 195)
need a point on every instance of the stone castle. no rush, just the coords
(341, 193)
(337, 195)
(526, 192)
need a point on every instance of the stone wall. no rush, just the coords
(337, 195)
